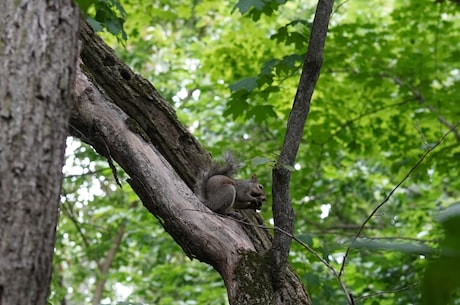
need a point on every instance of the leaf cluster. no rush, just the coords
(105, 15)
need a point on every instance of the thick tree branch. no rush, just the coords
(282, 210)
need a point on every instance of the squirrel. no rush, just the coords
(223, 194)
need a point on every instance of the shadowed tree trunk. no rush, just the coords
(38, 52)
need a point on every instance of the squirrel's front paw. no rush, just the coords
(256, 205)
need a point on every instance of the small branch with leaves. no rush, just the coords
(390, 194)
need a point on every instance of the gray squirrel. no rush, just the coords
(223, 194)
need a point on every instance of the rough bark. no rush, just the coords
(38, 52)
(125, 118)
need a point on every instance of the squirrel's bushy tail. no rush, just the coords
(227, 167)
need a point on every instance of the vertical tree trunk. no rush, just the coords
(38, 51)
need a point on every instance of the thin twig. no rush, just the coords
(417, 95)
(88, 173)
(379, 293)
(349, 122)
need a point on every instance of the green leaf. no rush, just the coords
(248, 84)
(245, 5)
(306, 238)
(269, 65)
(236, 108)
(114, 26)
(97, 26)
(260, 161)
(260, 113)
(442, 278)
(289, 167)
(84, 5)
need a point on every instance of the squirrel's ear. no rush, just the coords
(254, 178)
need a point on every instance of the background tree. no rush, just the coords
(38, 52)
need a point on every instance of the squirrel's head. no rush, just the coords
(257, 190)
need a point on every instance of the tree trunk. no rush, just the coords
(124, 118)
(283, 212)
(38, 51)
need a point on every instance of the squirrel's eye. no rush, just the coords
(261, 186)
